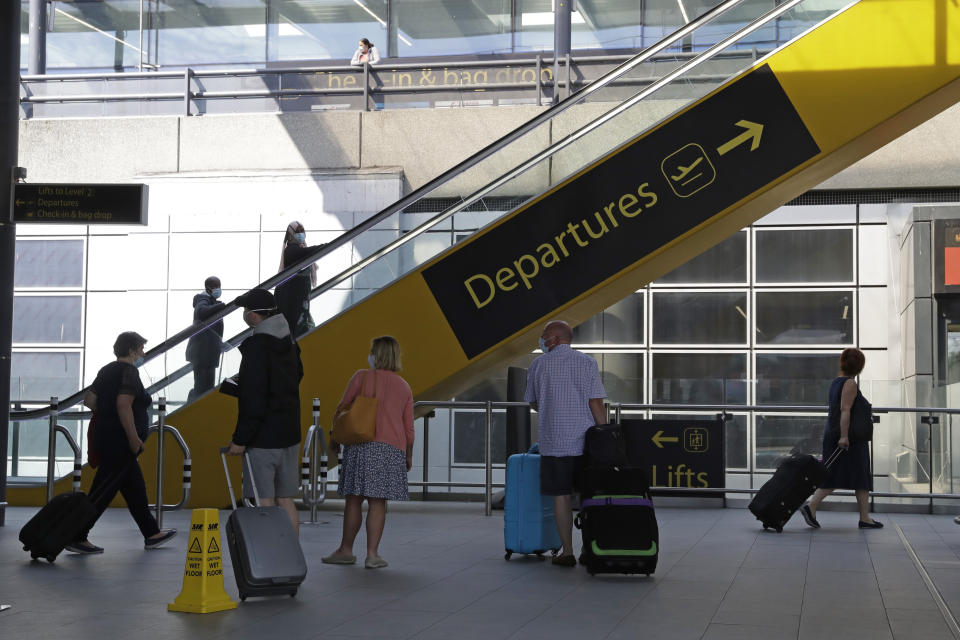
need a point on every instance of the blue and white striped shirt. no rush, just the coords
(562, 382)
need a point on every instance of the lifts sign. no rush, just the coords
(678, 453)
(628, 205)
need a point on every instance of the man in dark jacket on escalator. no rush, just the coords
(203, 349)
(268, 421)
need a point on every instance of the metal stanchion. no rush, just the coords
(488, 445)
(161, 426)
(51, 447)
(317, 434)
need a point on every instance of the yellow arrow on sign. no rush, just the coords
(753, 130)
(659, 439)
(21, 202)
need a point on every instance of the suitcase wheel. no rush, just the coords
(506, 556)
(243, 597)
(51, 558)
(293, 594)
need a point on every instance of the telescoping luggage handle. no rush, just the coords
(226, 471)
(833, 457)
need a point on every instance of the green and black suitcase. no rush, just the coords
(620, 534)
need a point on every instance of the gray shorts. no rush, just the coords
(276, 472)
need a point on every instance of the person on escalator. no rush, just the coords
(120, 402)
(268, 403)
(203, 349)
(293, 296)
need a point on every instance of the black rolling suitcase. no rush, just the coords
(617, 521)
(264, 549)
(794, 481)
(60, 522)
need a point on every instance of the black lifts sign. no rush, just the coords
(80, 203)
(620, 210)
(678, 453)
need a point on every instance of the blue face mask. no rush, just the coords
(300, 237)
(216, 293)
(138, 361)
(543, 345)
(371, 361)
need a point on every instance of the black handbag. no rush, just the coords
(604, 446)
(861, 420)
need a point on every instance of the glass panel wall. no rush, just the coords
(804, 255)
(805, 317)
(699, 378)
(795, 378)
(621, 323)
(699, 317)
(725, 263)
(104, 35)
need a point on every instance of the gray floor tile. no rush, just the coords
(909, 624)
(748, 632)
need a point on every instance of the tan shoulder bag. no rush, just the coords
(356, 423)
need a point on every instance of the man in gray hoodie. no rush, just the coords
(268, 395)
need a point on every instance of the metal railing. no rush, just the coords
(366, 83)
(313, 489)
(160, 428)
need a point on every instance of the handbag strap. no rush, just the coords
(363, 384)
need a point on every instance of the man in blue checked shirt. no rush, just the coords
(564, 388)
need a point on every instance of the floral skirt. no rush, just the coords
(374, 470)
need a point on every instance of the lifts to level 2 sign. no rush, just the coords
(678, 453)
(80, 203)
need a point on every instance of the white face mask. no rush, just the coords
(372, 362)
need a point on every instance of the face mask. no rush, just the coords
(138, 361)
(216, 293)
(300, 237)
(542, 344)
(371, 361)
(246, 316)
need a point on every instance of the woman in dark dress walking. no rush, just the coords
(851, 470)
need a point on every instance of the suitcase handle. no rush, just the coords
(226, 471)
(833, 457)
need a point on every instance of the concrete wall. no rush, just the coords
(423, 143)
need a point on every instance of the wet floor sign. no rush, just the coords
(203, 590)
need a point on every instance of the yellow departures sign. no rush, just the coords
(203, 590)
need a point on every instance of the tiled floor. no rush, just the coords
(720, 577)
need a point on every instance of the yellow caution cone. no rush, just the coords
(203, 590)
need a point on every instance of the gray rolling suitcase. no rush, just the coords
(264, 549)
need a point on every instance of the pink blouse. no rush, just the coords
(394, 405)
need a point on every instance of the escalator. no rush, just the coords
(606, 191)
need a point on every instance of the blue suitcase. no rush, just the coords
(528, 525)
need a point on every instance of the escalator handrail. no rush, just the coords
(417, 194)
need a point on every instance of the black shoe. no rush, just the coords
(808, 517)
(871, 525)
(84, 547)
(153, 543)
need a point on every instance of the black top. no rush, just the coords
(851, 470)
(109, 438)
(268, 392)
(292, 295)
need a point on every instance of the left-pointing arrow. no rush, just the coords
(753, 132)
(658, 439)
(21, 202)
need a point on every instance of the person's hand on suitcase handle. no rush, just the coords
(843, 443)
(136, 445)
(233, 449)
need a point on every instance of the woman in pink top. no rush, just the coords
(375, 471)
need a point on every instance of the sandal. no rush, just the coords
(339, 558)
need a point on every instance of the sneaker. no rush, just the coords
(808, 517)
(339, 558)
(165, 536)
(564, 560)
(957, 520)
(374, 562)
(84, 547)
(873, 524)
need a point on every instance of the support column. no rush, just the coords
(37, 64)
(562, 16)
(9, 109)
